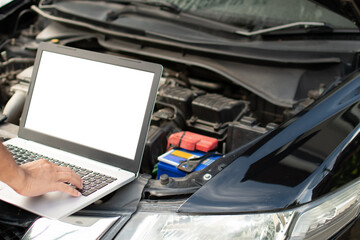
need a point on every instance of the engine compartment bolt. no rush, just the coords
(4, 55)
(207, 176)
(164, 179)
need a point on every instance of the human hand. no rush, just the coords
(42, 176)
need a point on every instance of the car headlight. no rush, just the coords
(317, 220)
(323, 218)
(148, 226)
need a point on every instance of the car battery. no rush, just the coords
(192, 141)
(169, 161)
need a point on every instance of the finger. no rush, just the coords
(68, 189)
(66, 169)
(63, 169)
(44, 161)
(70, 177)
(69, 170)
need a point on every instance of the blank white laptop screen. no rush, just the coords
(57, 78)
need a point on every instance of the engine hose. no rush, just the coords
(14, 107)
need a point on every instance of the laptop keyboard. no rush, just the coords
(92, 181)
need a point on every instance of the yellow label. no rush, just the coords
(182, 154)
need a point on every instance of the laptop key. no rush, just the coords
(109, 180)
(97, 181)
(101, 185)
(90, 191)
(81, 173)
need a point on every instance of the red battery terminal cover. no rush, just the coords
(192, 141)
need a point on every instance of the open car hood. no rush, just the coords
(347, 8)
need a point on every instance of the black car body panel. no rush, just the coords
(303, 159)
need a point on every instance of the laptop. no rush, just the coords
(88, 111)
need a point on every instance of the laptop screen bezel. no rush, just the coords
(78, 149)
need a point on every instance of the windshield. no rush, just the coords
(261, 13)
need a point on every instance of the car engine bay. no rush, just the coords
(202, 97)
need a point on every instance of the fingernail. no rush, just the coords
(78, 194)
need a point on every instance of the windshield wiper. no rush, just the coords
(168, 7)
(282, 27)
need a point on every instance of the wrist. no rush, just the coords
(15, 178)
(11, 173)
